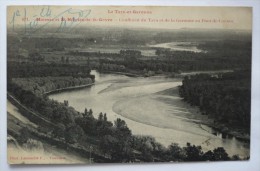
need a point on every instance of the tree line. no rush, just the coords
(16, 69)
(224, 97)
(41, 85)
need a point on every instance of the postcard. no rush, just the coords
(128, 84)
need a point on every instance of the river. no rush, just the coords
(179, 46)
(150, 106)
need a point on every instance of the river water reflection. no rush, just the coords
(150, 108)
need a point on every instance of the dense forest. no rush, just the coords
(41, 85)
(224, 97)
(43, 69)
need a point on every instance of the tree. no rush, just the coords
(60, 131)
(88, 124)
(208, 156)
(220, 154)
(88, 62)
(105, 117)
(73, 134)
(26, 134)
(66, 102)
(108, 144)
(124, 137)
(235, 157)
(67, 60)
(193, 153)
(175, 153)
(62, 59)
(116, 142)
(90, 113)
(85, 114)
(100, 116)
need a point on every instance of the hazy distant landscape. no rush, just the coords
(120, 94)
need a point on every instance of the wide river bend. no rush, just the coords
(149, 108)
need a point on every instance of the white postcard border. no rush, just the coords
(252, 164)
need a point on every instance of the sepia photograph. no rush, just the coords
(128, 84)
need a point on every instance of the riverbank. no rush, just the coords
(129, 74)
(68, 89)
(147, 74)
(166, 74)
(226, 129)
